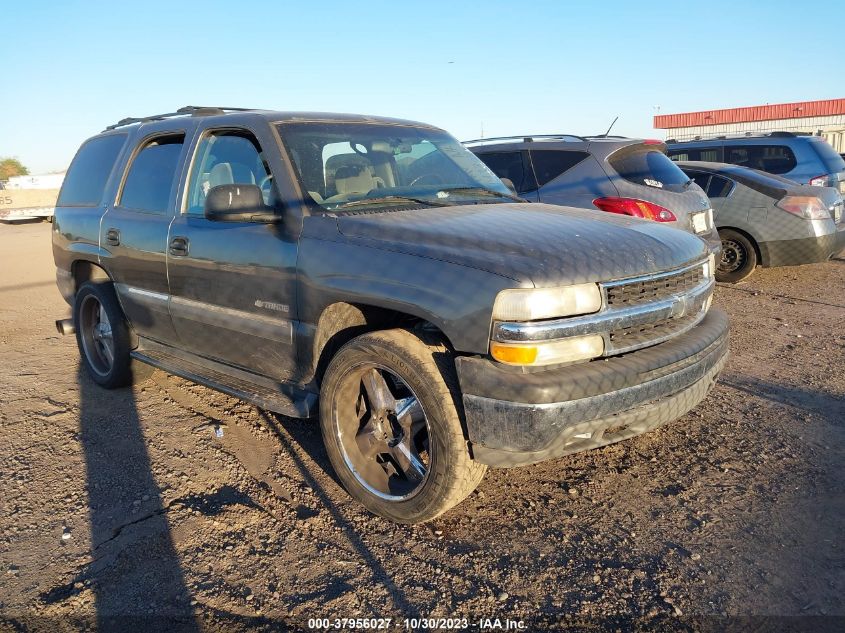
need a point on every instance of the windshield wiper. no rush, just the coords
(379, 199)
(485, 191)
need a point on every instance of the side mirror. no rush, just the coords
(509, 184)
(238, 203)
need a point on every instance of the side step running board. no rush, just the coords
(263, 392)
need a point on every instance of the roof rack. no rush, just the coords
(184, 111)
(719, 137)
(526, 138)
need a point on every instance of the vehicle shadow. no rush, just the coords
(135, 574)
(829, 406)
(310, 441)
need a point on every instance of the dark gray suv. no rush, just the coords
(374, 272)
(613, 174)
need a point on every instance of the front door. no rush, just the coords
(232, 283)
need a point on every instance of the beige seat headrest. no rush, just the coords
(353, 179)
(221, 174)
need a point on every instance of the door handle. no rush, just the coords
(113, 237)
(179, 246)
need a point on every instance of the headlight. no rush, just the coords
(551, 353)
(530, 304)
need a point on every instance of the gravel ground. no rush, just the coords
(124, 509)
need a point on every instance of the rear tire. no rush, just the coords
(102, 334)
(390, 422)
(739, 257)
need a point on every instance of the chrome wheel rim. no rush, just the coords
(96, 335)
(382, 431)
(733, 256)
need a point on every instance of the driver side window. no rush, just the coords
(227, 157)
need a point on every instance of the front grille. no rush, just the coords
(641, 335)
(648, 290)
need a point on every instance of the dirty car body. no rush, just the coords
(557, 329)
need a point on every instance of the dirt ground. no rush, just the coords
(124, 510)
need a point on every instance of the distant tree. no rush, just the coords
(10, 167)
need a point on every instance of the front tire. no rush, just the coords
(102, 334)
(739, 257)
(391, 426)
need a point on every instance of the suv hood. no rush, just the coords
(531, 243)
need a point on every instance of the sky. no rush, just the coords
(488, 68)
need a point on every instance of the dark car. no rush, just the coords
(373, 271)
(805, 159)
(768, 220)
(612, 174)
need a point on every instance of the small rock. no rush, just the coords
(438, 532)
(573, 492)
(250, 598)
(596, 578)
(503, 595)
(696, 557)
(66, 536)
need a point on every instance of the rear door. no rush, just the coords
(232, 284)
(134, 233)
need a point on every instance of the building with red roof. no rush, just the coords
(824, 118)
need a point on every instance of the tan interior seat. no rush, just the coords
(354, 179)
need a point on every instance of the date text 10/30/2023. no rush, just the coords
(416, 624)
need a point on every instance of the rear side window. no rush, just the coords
(700, 179)
(775, 159)
(719, 187)
(709, 154)
(152, 172)
(549, 164)
(510, 165)
(89, 172)
(648, 167)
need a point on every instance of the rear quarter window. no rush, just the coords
(86, 178)
(831, 160)
(648, 167)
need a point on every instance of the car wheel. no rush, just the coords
(739, 257)
(390, 422)
(102, 334)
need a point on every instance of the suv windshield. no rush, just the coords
(361, 165)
